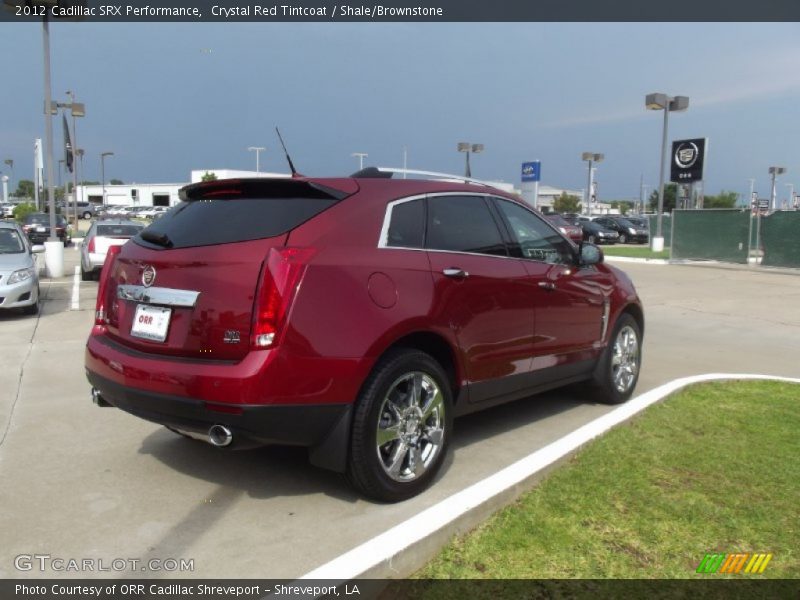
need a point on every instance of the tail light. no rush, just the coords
(90, 247)
(100, 311)
(283, 270)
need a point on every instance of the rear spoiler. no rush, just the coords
(328, 189)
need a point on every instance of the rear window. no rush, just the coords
(223, 221)
(118, 230)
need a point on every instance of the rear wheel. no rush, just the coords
(86, 275)
(622, 238)
(590, 239)
(401, 427)
(617, 372)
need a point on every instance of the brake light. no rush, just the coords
(282, 272)
(100, 311)
(90, 247)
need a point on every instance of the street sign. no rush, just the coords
(688, 158)
(532, 171)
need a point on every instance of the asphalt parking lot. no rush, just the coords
(80, 482)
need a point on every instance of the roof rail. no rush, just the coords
(435, 175)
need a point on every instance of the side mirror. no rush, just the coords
(37, 249)
(590, 255)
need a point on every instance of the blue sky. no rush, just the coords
(168, 98)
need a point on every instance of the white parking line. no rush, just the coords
(384, 547)
(76, 288)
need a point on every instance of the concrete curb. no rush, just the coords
(406, 547)
(631, 259)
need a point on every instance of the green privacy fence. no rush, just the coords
(780, 239)
(711, 235)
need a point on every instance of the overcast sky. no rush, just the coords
(169, 98)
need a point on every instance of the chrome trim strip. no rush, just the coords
(387, 218)
(158, 295)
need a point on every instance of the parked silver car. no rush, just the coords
(19, 279)
(100, 237)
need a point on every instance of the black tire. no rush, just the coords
(86, 275)
(590, 239)
(421, 441)
(611, 381)
(622, 238)
(86, 216)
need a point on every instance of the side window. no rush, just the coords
(536, 239)
(407, 225)
(463, 224)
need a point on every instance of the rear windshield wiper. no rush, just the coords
(160, 239)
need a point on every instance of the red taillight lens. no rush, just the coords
(90, 247)
(282, 272)
(100, 312)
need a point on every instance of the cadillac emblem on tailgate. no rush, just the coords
(148, 276)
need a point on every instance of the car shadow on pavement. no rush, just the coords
(477, 427)
(265, 472)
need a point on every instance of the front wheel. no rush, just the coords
(622, 238)
(401, 427)
(617, 371)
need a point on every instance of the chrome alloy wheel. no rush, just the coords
(410, 431)
(625, 360)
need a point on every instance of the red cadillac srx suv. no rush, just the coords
(354, 316)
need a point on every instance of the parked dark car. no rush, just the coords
(639, 222)
(628, 232)
(354, 316)
(572, 231)
(37, 228)
(595, 233)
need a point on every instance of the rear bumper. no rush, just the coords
(288, 425)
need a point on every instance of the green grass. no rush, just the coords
(715, 468)
(635, 252)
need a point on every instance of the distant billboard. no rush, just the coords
(532, 171)
(688, 159)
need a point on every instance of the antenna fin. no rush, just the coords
(288, 158)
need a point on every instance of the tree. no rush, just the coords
(23, 210)
(25, 189)
(116, 182)
(567, 203)
(670, 195)
(208, 176)
(722, 200)
(624, 206)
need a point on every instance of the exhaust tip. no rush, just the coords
(97, 399)
(220, 436)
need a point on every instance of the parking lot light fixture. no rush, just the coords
(596, 158)
(469, 148)
(360, 156)
(659, 101)
(791, 194)
(258, 150)
(774, 172)
(103, 172)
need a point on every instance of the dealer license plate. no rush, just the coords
(151, 322)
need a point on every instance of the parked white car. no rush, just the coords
(100, 237)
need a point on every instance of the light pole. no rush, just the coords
(474, 149)
(258, 150)
(10, 164)
(659, 101)
(791, 194)
(360, 156)
(78, 110)
(752, 191)
(103, 172)
(590, 157)
(80, 152)
(774, 172)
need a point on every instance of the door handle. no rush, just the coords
(455, 273)
(547, 285)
